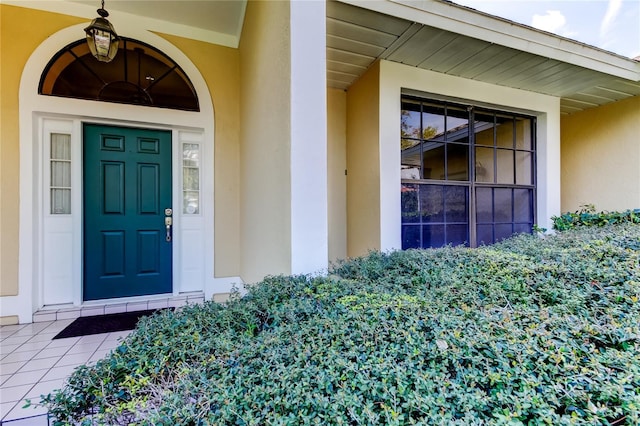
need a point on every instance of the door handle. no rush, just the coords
(168, 222)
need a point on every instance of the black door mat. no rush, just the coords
(85, 326)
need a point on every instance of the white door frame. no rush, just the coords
(37, 110)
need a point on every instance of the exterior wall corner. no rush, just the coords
(363, 164)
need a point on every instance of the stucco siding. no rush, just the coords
(17, 41)
(363, 164)
(337, 165)
(220, 67)
(601, 157)
(265, 180)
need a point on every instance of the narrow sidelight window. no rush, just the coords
(60, 184)
(191, 178)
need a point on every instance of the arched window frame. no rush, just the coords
(139, 75)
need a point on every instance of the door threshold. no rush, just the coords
(114, 306)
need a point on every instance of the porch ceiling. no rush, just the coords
(357, 37)
(212, 21)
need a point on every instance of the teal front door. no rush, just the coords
(127, 189)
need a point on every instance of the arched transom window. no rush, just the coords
(138, 75)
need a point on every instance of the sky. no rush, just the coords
(612, 25)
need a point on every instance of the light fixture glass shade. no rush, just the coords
(102, 38)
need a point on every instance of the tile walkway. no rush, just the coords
(32, 364)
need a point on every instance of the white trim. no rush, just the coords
(190, 266)
(308, 162)
(34, 107)
(57, 249)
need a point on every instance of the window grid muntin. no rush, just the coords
(422, 224)
(529, 126)
(191, 170)
(60, 173)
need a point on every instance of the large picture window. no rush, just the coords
(468, 174)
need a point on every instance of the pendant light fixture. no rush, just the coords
(101, 37)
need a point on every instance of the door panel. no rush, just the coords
(127, 186)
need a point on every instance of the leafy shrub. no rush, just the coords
(587, 216)
(528, 331)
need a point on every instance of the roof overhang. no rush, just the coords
(452, 39)
(437, 35)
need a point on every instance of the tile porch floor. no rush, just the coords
(31, 363)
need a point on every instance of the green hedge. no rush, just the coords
(529, 331)
(587, 216)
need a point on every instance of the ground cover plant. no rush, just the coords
(587, 215)
(529, 331)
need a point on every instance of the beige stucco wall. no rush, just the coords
(336, 178)
(363, 164)
(17, 42)
(265, 112)
(600, 156)
(220, 68)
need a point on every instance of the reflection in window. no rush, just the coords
(504, 153)
(434, 215)
(139, 75)
(60, 162)
(504, 131)
(191, 178)
(523, 133)
(434, 141)
(501, 212)
(440, 142)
